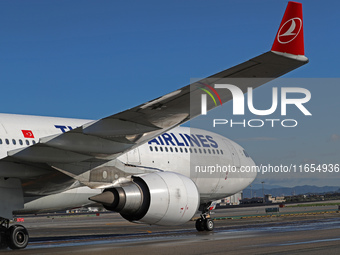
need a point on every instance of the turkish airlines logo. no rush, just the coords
(27, 133)
(289, 30)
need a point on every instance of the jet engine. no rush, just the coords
(162, 198)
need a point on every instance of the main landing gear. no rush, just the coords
(14, 237)
(205, 223)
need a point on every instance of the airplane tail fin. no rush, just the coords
(289, 38)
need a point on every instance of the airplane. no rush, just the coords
(139, 162)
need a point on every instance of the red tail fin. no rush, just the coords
(289, 38)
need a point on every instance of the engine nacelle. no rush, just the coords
(162, 198)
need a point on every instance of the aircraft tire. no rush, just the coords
(17, 237)
(209, 225)
(199, 225)
(3, 238)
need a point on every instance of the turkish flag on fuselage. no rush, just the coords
(27, 133)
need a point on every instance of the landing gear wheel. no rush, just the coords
(205, 222)
(17, 237)
(199, 224)
(3, 238)
(209, 225)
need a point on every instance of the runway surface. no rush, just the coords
(308, 232)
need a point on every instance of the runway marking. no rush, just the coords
(186, 235)
(282, 214)
(312, 241)
(123, 223)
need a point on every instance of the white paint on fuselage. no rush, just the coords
(179, 159)
(173, 155)
(11, 126)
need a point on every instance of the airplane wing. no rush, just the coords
(105, 139)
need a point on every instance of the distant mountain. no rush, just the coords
(267, 186)
(284, 191)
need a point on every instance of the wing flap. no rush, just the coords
(44, 154)
(116, 127)
(84, 144)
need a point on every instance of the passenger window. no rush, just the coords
(186, 150)
(221, 152)
(166, 149)
(20, 142)
(27, 142)
(7, 142)
(33, 142)
(176, 149)
(156, 149)
(161, 148)
(204, 151)
(213, 151)
(181, 149)
(150, 148)
(209, 151)
(199, 150)
(195, 150)
(171, 149)
(14, 142)
(0, 141)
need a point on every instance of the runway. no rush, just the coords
(110, 234)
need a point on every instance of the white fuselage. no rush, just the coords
(209, 159)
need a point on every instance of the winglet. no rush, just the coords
(289, 38)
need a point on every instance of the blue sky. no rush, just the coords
(91, 59)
